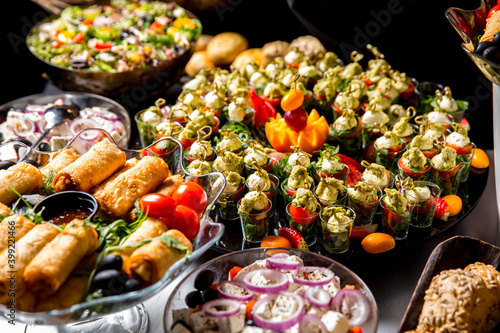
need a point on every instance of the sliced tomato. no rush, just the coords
(449, 173)
(461, 150)
(430, 153)
(248, 309)
(409, 172)
(156, 27)
(88, 21)
(394, 151)
(301, 215)
(339, 110)
(79, 37)
(425, 209)
(275, 102)
(493, 10)
(361, 232)
(408, 92)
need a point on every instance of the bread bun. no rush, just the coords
(275, 49)
(224, 47)
(249, 56)
(198, 61)
(202, 42)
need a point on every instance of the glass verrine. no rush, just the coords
(466, 159)
(306, 226)
(340, 175)
(395, 223)
(425, 92)
(325, 202)
(365, 211)
(147, 132)
(389, 157)
(228, 203)
(336, 234)
(422, 206)
(405, 171)
(271, 193)
(288, 192)
(390, 181)
(447, 180)
(256, 225)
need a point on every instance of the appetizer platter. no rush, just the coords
(330, 298)
(108, 232)
(459, 262)
(321, 155)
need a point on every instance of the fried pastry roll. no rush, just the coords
(61, 159)
(22, 177)
(4, 210)
(26, 302)
(26, 249)
(118, 197)
(13, 227)
(128, 165)
(91, 169)
(152, 260)
(56, 261)
(170, 184)
(69, 294)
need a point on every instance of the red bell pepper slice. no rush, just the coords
(103, 46)
(263, 109)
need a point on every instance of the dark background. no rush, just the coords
(416, 38)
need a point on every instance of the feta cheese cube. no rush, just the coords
(335, 322)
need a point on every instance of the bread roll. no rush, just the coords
(198, 61)
(224, 47)
(249, 56)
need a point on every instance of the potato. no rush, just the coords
(198, 61)
(310, 45)
(202, 42)
(275, 49)
(249, 56)
(224, 47)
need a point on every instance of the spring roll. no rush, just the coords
(26, 302)
(150, 228)
(61, 159)
(128, 165)
(54, 263)
(69, 294)
(151, 261)
(22, 177)
(13, 227)
(91, 169)
(170, 184)
(4, 210)
(26, 249)
(119, 196)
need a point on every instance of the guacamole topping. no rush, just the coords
(337, 217)
(388, 140)
(446, 159)
(328, 188)
(347, 121)
(378, 101)
(357, 88)
(395, 201)
(230, 141)
(306, 199)
(228, 161)
(363, 192)
(375, 174)
(253, 201)
(199, 168)
(414, 159)
(351, 69)
(422, 142)
(402, 128)
(299, 178)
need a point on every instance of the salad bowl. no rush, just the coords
(470, 25)
(103, 314)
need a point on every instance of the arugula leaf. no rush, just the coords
(47, 188)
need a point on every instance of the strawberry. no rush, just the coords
(465, 124)
(442, 210)
(361, 232)
(293, 237)
(350, 161)
(369, 152)
(355, 168)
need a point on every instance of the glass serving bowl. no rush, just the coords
(469, 24)
(125, 308)
(220, 266)
(80, 100)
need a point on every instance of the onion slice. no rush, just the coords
(80, 124)
(246, 296)
(311, 323)
(100, 112)
(23, 127)
(277, 281)
(300, 276)
(318, 297)
(282, 264)
(280, 255)
(353, 304)
(220, 308)
(280, 324)
(36, 108)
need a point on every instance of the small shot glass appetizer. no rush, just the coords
(459, 140)
(404, 85)
(377, 175)
(446, 171)
(403, 128)
(302, 213)
(268, 183)
(273, 92)
(147, 120)
(310, 74)
(386, 86)
(347, 132)
(396, 214)
(454, 108)
(343, 102)
(298, 157)
(324, 93)
(426, 145)
(256, 156)
(330, 191)
(199, 167)
(228, 161)
(435, 117)
(414, 164)
(299, 178)
(374, 122)
(336, 226)
(201, 148)
(215, 101)
(230, 141)
(294, 57)
(422, 198)
(229, 198)
(329, 165)
(388, 149)
(363, 199)
(255, 212)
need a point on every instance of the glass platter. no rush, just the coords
(124, 312)
(221, 265)
(470, 192)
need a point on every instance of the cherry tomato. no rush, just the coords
(191, 195)
(185, 220)
(79, 37)
(296, 119)
(493, 10)
(301, 215)
(233, 272)
(292, 100)
(461, 150)
(158, 205)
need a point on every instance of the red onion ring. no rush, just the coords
(306, 282)
(82, 124)
(280, 255)
(23, 127)
(210, 308)
(318, 297)
(36, 108)
(243, 298)
(353, 304)
(99, 112)
(310, 319)
(282, 264)
(281, 281)
(278, 326)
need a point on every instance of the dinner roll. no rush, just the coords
(224, 47)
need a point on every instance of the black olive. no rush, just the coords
(111, 281)
(132, 285)
(209, 294)
(79, 63)
(111, 261)
(6, 164)
(496, 39)
(26, 142)
(204, 280)
(492, 53)
(44, 146)
(483, 46)
(124, 34)
(32, 162)
(193, 299)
